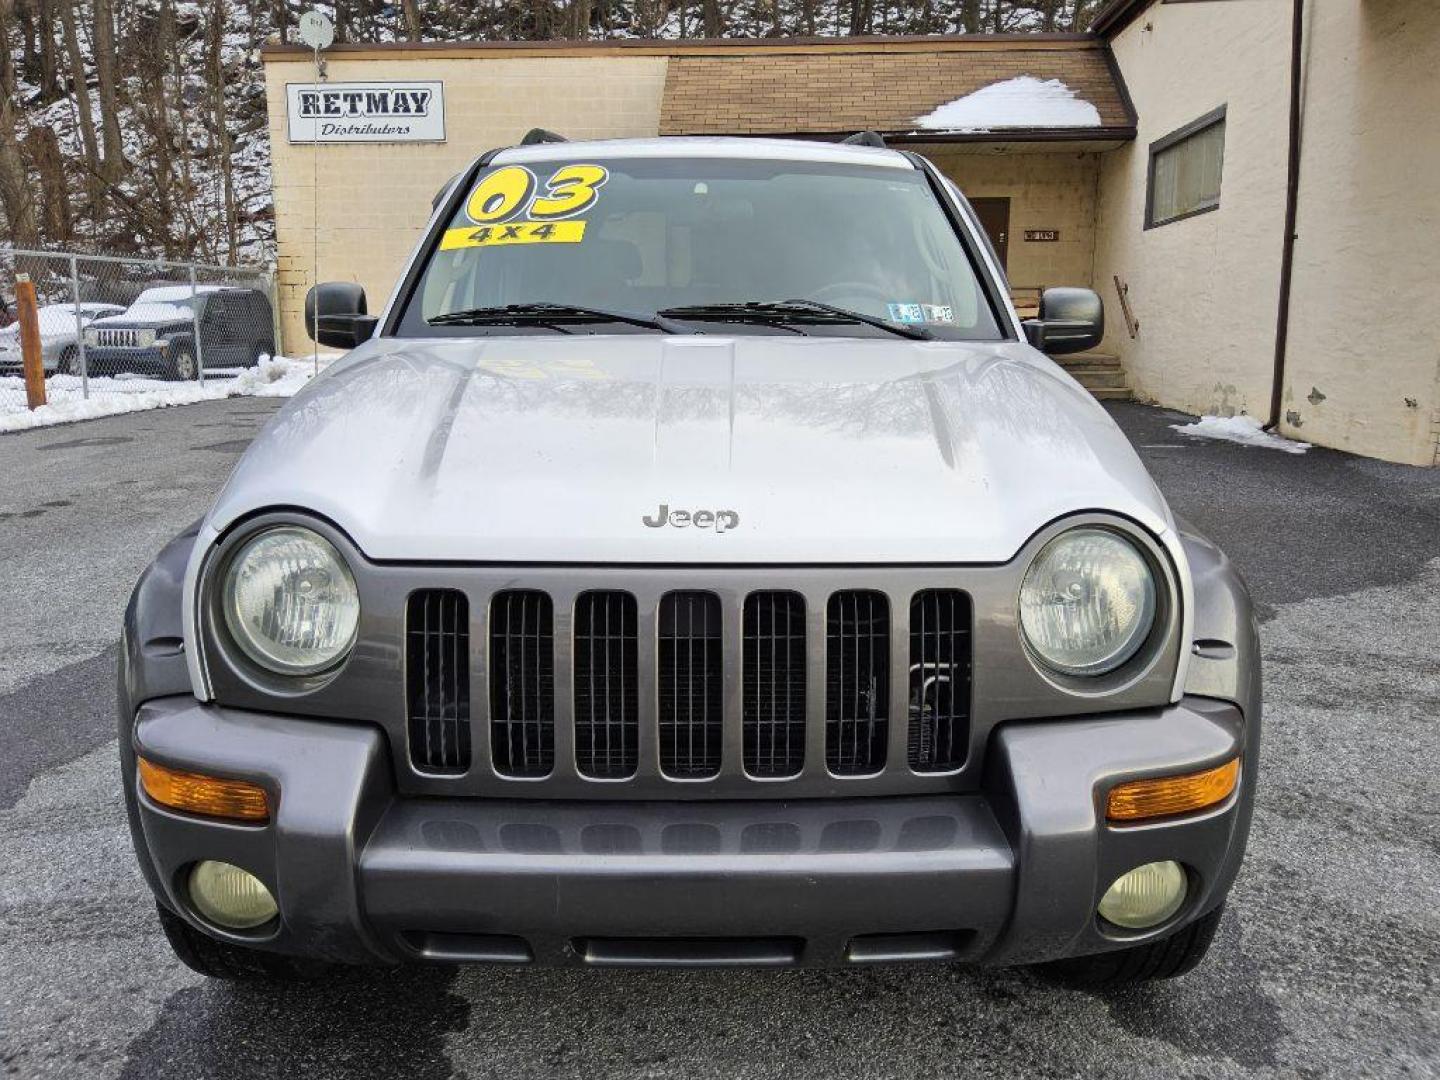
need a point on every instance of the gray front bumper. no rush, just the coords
(1009, 874)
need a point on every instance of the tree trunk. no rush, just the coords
(710, 14)
(80, 85)
(221, 137)
(15, 192)
(970, 17)
(411, 9)
(44, 151)
(114, 165)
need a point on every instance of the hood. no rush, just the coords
(143, 317)
(695, 449)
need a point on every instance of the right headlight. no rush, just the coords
(1088, 602)
(290, 602)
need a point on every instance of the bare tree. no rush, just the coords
(80, 88)
(15, 191)
(107, 76)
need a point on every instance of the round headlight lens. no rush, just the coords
(290, 601)
(1088, 602)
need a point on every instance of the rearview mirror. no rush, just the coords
(1071, 321)
(336, 315)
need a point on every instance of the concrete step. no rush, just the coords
(1099, 378)
(1088, 360)
(1113, 393)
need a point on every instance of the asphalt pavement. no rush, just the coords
(1326, 962)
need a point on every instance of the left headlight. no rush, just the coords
(1088, 602)
(290, 601)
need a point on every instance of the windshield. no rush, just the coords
(673, 235)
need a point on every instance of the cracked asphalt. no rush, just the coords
(1326, 963)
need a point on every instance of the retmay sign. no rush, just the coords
(366, 112)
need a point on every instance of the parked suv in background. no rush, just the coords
(697, 562)
(157, 333)
(59, 352)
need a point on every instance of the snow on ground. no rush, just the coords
(277, 376)
(1024, 101)
(1246, 430)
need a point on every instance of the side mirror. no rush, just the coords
(335, 315)
(1071, 321)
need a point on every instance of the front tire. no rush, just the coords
(183, 365)
(1164, 959)
(221, 960)
(66, 364)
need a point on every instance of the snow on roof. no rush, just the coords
(1021, 102)
(171, 293)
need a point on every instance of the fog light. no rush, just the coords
(1145, 897)
(230, 897)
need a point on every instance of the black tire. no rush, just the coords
(1164, 959)
(183, 366)
(66, 364)
(221, 960)
(259, 349)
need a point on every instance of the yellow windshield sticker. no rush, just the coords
(519, 232)
(570, 191)
(501, 195)
(514, 193)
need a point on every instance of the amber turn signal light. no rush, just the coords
(195, 793)
(1167, 796)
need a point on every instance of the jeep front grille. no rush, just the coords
(632, 689)
(690, 685)
(522, 683)
(607, 685)
(437, 664)
(939, 680)
(857, 682)
(773, 666)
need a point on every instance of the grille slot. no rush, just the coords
(773, 706)
(857, 678)
(690, 684)
(607, 699)
(437, 666)
(522, 683)
(939, 736)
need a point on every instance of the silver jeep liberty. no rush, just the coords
(696, 562)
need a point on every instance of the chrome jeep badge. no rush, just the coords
(719, 520)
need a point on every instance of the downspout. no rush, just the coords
(1292, 198)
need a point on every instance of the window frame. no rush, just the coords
(1159, 146)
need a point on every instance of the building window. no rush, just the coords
(1185, 169)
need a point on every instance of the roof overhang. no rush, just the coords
(1117, 15)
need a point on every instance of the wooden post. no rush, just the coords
(29, 313)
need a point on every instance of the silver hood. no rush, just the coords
(794, 450)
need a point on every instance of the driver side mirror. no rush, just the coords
(1071, 321)
(336, 315)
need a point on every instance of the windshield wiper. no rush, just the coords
(785, 312)
(549, 315)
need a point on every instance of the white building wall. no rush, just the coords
(1204, 289)
(1363, 369)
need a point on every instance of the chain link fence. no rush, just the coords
(114, 325)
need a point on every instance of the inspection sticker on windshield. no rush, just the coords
(906, 313)
(520, 232)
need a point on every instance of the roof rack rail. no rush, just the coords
(536, 136)
(865, 138)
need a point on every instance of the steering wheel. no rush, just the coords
(839, 291)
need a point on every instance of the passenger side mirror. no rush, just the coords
(335, 315)
(1071, 321)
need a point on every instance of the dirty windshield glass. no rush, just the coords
(685, 237)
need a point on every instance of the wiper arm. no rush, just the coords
(546, 314)
(781, 312)
(918, 333)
